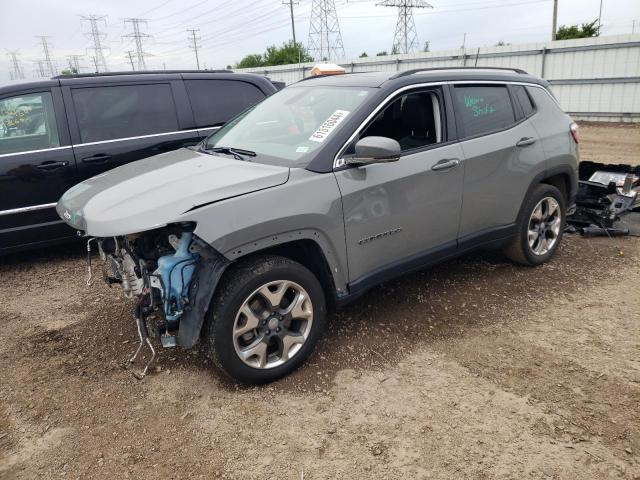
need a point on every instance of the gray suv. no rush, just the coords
(321, 191)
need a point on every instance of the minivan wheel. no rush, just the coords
(265, 320)
(540, 227)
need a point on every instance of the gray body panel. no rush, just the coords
(399, 209)
(155, 191)
(307, 207)
(497, 174)
(552, 126)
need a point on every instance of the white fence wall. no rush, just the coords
(594, 78)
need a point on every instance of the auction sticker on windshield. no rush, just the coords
(328, 126)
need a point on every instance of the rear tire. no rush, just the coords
(265, 320)
(540, 227)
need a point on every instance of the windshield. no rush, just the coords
(291, 124)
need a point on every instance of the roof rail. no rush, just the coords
(418, 70)
(139, 72)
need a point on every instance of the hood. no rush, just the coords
(156, 191)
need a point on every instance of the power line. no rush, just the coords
(194, 44)
(47, 55)
(405, 40)
(17, 73)
(325, 39)
(97, 37)
(137, 35)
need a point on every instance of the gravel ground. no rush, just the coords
(473, 369)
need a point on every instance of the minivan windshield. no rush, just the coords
(288, 126)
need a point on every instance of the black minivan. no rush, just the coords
(56, 133)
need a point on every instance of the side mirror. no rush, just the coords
(375, 150)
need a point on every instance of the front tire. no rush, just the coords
(540, 227)
(266, 319)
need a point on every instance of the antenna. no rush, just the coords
(325, 39)
(194, 44)
(17, 73)
(405, 39)
(96, 37)
(137, 35)
(47, 55)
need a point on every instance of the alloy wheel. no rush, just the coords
(544, 226)
(272, 324)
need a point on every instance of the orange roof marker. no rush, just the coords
(327, 69)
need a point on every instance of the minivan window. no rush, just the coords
(291, 125)
(413, 120)
(524, 100)
(27, 122)
(216, 101)
(483, 108)
(112, 112)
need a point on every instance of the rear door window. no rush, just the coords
(112, 112)
(27, 122)
(483, 109)
(215, 102)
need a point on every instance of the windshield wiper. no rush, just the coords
(236, 152)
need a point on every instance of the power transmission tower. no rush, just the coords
(194, 44)
(291, 3)
(96, 37)
(137, 35)
(130, 57)
(325, 39)
(47, 55)
(41, 71)
(74, 62)
(405, 39)
(17, 73)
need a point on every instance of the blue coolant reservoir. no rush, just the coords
(176, 271)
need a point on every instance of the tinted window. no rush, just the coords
(214, 102)
(107, 113)
(27, 122)
(524, 100)
(483, 109)
(413, 120)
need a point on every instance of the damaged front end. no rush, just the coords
(171, 272)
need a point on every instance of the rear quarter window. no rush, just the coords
(524, 100)
(214, 102)
(483, 109)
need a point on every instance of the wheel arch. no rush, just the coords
(308, 247)
(564, 178)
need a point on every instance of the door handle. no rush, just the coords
(52, 165)
(525, 142)
(99, 158)
(446, 164)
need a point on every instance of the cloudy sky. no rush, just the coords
(232, 29)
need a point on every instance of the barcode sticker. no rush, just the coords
(329, 126)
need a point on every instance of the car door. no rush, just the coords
(116, 122)
(36, 167)
(216, 101)
(403, 215)
(502, 156)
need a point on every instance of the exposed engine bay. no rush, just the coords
(159, 268)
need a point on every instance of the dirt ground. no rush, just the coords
(475, 369)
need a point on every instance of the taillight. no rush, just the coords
(574, 132)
